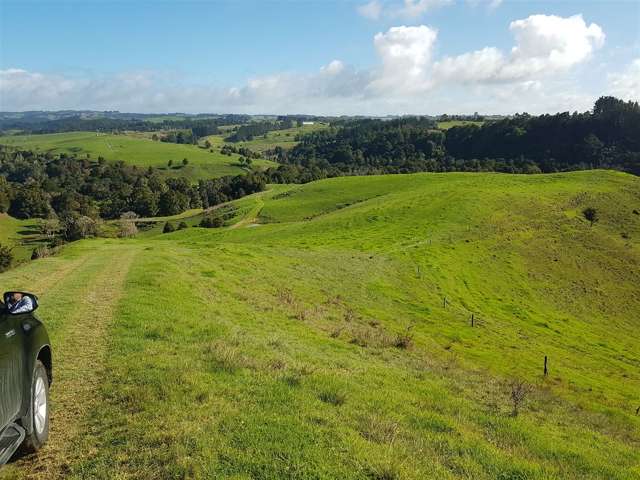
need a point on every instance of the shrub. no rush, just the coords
(591, 214)
(6, 258)
(519, 392)
(40, 252)
(77, 227)
(212, 221)
(168, 228)
(182, 226)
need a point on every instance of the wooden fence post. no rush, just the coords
(472, 319)
(545, 366)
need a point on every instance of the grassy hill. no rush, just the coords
(137, 149)
(314, 340)
(278, 138)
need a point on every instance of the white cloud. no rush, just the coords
(371, 10)
(626, 84)
(407, 79)
(333, 68)
(417, 8)
(544, 45)
(405, 53)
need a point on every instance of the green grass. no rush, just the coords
(317, 345)
(278, 138)
(20, 235)
(136, 149)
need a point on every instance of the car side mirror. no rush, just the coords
(20, 302)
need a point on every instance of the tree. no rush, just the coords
(50, 227)
(591, 214)
(77, 227)
(185, 162)
(6, 258)
(170, 163)
(127, 225)
(168, 228)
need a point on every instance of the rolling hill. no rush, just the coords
(329, 336)
(136, 149)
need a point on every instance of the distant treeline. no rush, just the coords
(248, 132)
(607, 137)
(200, 126)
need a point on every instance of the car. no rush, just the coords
(25, 376)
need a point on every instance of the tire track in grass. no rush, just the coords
(79, 356)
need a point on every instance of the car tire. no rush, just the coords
(38, 410)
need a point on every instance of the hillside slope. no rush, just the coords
(136, 149)
(318, 344)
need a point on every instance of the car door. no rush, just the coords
(11, 365)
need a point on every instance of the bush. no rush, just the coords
(40, 252)
(212, 221)
(182, 226)
(77, 227)
(168, 228)
(591, 214)
(6, 258)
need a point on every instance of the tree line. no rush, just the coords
(606, 137)
(245, 133)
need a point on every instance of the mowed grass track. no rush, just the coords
(274, 352)
(136, 149)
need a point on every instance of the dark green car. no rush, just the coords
(25, 376)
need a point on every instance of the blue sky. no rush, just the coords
(430, 56)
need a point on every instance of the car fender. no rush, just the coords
(37, 346)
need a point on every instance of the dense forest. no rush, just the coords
(607, 137)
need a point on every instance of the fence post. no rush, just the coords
(545, 366)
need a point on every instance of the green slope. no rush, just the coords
(136, 149)
(280, 350)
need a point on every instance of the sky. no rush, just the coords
(329, 57)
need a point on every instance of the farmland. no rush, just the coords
(136, 149)
(329, 336)
(277, 138)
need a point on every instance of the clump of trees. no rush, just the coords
(244, 151)
(213, 220)
(248, 132)
(66, 188)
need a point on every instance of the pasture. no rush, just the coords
(278, 138)
(136, 149)
(329, 336)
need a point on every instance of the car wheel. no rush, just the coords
(39, 410)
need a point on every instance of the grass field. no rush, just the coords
(318, 343)
(136, 149)
(20, 235)
(278, 138)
